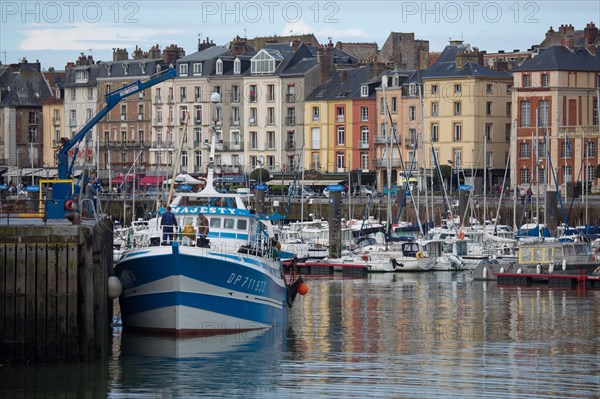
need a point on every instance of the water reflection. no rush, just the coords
(243, 364)
(439, 335)
(434, 335)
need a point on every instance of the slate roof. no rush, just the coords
(350, 88)
(445, 67)
(560, 58)
(70, 75)
(27, 89)
(136, 68)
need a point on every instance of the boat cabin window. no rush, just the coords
(581, 250)
(461, 248)
(447, 248)
(410, 249)
(228, 223)
(215, 222)
(242, 224)
(476, 237)
(568, 250)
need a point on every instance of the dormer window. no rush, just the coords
(219, 67)
(143, 68)
(108, 67)
(265, 62)
(412, 89)
(395, 80)
(364, 90)
(157, 68)
(197, 69)
(81, 77)
(237, 66)
(125, 69)
(183, 69)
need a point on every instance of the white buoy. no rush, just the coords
(538, 269)
(502, 269)
(551, 268)
(485, 273)
(115, 288)
(519, 271)
(564, 265)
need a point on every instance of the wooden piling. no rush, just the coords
(53, 290)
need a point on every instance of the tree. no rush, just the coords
(260, 175)
(446, 171)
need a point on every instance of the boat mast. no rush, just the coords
(484, 178)
(388, 146)
(537, 170)
(421, 149)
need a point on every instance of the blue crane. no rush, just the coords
(62, 192)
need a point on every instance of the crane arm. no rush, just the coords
(112, 99)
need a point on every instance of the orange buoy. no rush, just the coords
(461, 235)
(69, 205)
(302, 288)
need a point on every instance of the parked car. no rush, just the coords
(326, 192)
(365, 190)
(302, 191)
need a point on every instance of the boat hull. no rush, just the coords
(198, 291)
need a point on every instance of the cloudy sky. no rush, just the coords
(56, 32)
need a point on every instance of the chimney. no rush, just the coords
(154, 53)
(238, 46)
(138, 54)
(590, 32)
(501, 66)
(172, 53)
(465, 56)
(325, 61)
(120, 54)
(204, 45)
(296, 44)
(568, 42)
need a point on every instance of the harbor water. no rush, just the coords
(434, 335)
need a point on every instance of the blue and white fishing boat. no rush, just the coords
(230, 281)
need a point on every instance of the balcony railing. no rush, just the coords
(56, 121)
(290, 120)
(385, 139)
(252, 121)
(235, 97)
(232, 146)
(382, 162)
(290, 145)
(72, 121)
(410, 143)
(270, 121)
(235, 122)
(197, 121)
(363, 145)
(340, 118)
(290, 98)
(157, 100)
(578, 131)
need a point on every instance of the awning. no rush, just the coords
(152, 180)
(276, 182)
(122, 179)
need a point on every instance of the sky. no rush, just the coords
(56, 32)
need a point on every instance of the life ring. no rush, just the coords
(365, 258)
(69, 205)
(420, 255)
(461, 235)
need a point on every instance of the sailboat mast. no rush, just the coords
(388, 146)
(421, 149)
(484, 177)
(537, 169)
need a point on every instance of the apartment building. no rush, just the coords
(126, 131)
(555, 106)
